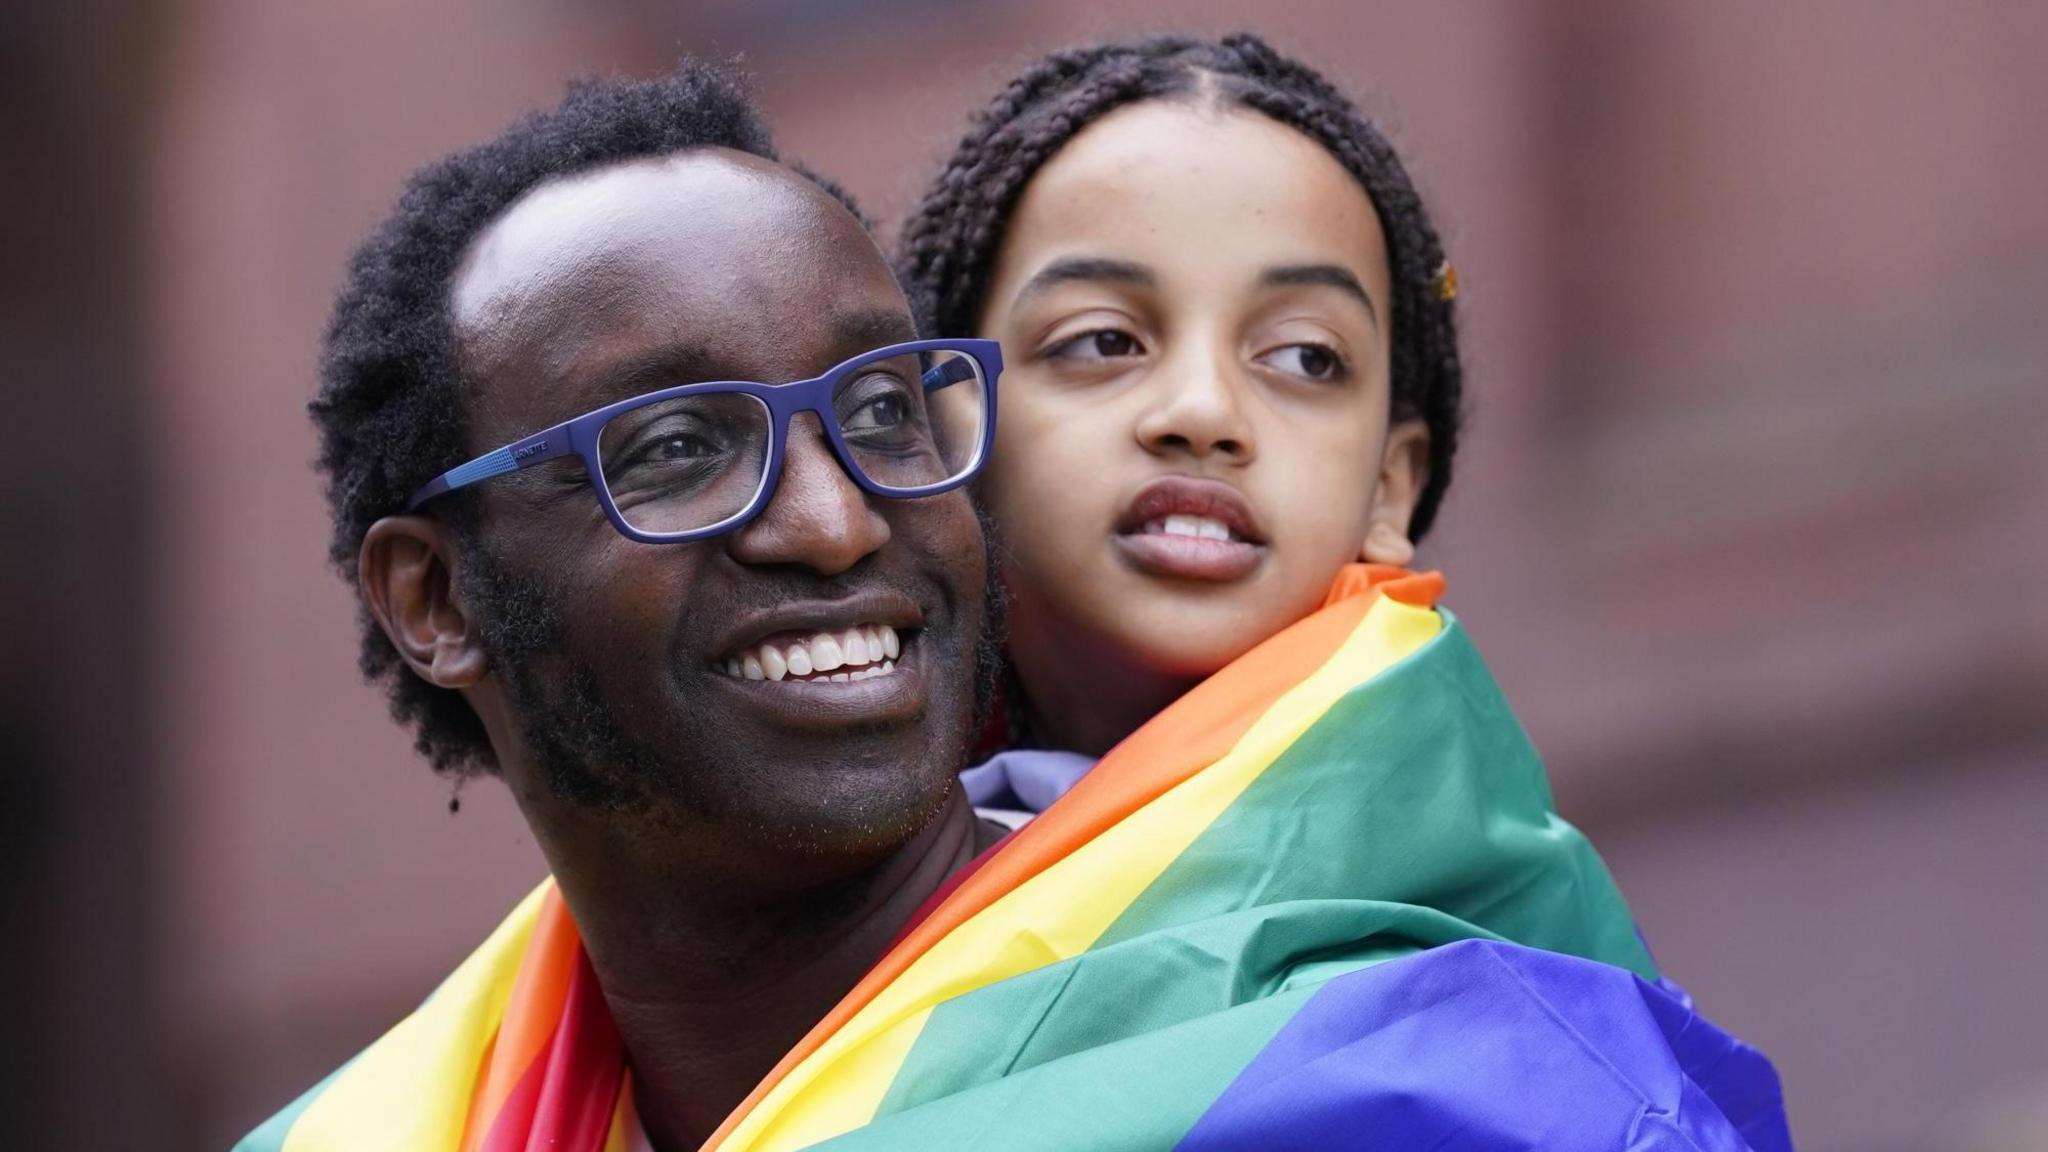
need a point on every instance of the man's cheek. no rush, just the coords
(968, 549)
(633, 583)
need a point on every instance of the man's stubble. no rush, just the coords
(589, 755)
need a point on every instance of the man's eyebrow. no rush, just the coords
(664, 368)
(1324, 275)
(1094, 269)
(873, 328)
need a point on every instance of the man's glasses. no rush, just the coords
(693, 461)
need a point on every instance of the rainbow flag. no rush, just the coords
(1323, 901)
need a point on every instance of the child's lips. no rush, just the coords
(1181, 498)
(1190, 557)
(1180, 526)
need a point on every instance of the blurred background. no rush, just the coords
(1753, 520)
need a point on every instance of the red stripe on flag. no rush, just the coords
(564, 1101)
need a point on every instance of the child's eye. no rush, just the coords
(1310, 361)
(1101, 344)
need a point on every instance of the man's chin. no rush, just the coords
(829, 790)
(864, 824)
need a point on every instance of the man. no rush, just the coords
(735, 849)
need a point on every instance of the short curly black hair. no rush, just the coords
(389, 409)
(948, 251)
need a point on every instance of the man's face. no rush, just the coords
(613, 657)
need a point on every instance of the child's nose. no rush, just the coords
(1200, 413)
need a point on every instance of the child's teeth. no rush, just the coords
(1198, 527)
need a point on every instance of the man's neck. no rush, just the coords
(710, 983)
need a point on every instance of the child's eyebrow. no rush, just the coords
(1090, 268)
(1327, 275)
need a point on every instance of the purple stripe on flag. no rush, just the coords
(1486, 1045)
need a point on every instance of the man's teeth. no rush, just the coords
(854, 654)
(1199, 527)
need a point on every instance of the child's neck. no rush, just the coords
(1088, 701)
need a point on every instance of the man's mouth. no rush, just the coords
(1191, 529)
(858, 652)
(819, 640)
(823, 664)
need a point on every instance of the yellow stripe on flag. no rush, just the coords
(1060, 912)
(411, 1089)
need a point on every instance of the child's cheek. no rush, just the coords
(1034, 514)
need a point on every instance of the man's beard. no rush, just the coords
(576, 735)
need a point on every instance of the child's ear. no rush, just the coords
(1404, 469)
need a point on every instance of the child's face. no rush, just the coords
(1193, 432)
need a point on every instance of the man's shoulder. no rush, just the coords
(270, 1135)
(418, 1077)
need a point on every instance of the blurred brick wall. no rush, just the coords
(1750, 520)
(77, 879)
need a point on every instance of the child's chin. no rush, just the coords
(1194, 652)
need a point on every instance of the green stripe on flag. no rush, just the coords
(271, 1135)
(1143, 1092)
(1420, 787)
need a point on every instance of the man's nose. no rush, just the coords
(1198, 409)
(818, 517)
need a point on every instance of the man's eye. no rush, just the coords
(887, 411)
(1309, 361)
(878, 402)
(681, 446)
(1102, 344)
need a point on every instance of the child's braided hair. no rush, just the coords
(950, 243)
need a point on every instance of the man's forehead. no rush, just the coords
(702, 248)
(687, 217)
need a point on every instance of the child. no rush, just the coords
(1230, 356)
(1314, 894)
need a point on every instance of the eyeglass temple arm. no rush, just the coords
(511, 458)
(951, 372)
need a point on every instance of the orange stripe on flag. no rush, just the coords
(538, 995)
(1417, 589)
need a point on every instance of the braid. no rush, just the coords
(950, 244)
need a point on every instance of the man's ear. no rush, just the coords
(1404, 469)
(404, 567)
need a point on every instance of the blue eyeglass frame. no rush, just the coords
(578, 437)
